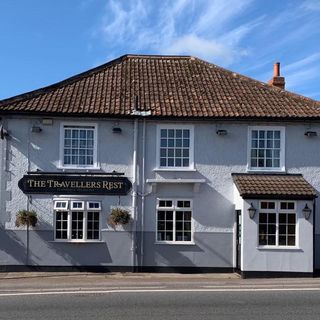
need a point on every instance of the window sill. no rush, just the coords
(196, 183)
(278, 248)
(79, 168)
(185, 243)
(174, 169)
(77, 242)
(263, 170)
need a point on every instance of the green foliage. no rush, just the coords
(26, 218)
(119, 216)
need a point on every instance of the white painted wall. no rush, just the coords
(298, 259)
(216, 157)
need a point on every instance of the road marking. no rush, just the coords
(251, 286)
(37, 293)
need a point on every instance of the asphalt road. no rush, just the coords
(164, 305)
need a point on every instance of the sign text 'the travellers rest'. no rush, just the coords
(53, 184)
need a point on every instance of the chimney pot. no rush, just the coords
(276, 69)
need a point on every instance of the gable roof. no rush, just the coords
(271, 186)
(168, 86)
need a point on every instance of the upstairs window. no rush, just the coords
(266, 148)
(78, 146)
(175, 147)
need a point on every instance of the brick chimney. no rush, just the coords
(277, 81)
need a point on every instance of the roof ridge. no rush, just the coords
(160, 56)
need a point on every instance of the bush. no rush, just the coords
(26, 218)
(119, 216)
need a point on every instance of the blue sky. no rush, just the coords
(42, 42)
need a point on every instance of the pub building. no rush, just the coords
(206, 170)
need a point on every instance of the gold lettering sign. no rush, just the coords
(72, 184)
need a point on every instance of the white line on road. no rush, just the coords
(36, 293)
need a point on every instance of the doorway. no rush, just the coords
(238, 239)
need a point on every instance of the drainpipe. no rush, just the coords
(134, 192)
(314, 236)
(143, 191)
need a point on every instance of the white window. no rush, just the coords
(277, 223)
(266, 148)
(61, 205)
(77, 205)
(80, 223)
(174, 221)
(78, 146)
(175, 147)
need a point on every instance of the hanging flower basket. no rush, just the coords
(119, 216)
(26, 218)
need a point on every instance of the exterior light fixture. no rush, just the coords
(221, 132)
(306, 212)
(116, 129)
(252, 211)
(47, 121)
(3, 133)
(36, 129)
(310, 133)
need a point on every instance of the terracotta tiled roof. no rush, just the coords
(280, 186)
(168, 86)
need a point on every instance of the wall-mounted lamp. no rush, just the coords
(3, 133)
(221, 132)
(252, 211)
(47, 121)
(310, 133)
(306, 212)
(36, 129)
(116, 129)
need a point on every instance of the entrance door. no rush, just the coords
(238, 242)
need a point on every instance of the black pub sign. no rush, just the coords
(69, 184)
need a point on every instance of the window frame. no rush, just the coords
(66, 208)
(277, 210)
(94, 126)
(174, 209)
(69, 212)
(281, 167)
(191, 147)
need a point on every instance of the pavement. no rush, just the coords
(225, 296)
(117, 275)
(19, 282)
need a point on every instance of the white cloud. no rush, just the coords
(300, 64)
(217, 13)
(119, 23)
(180, 27)
(203, 48)
(312, 5)
(300, 72)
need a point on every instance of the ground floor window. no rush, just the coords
(174, 221)
(277, 223)
(77, 220)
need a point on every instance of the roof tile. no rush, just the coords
(281, 186)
